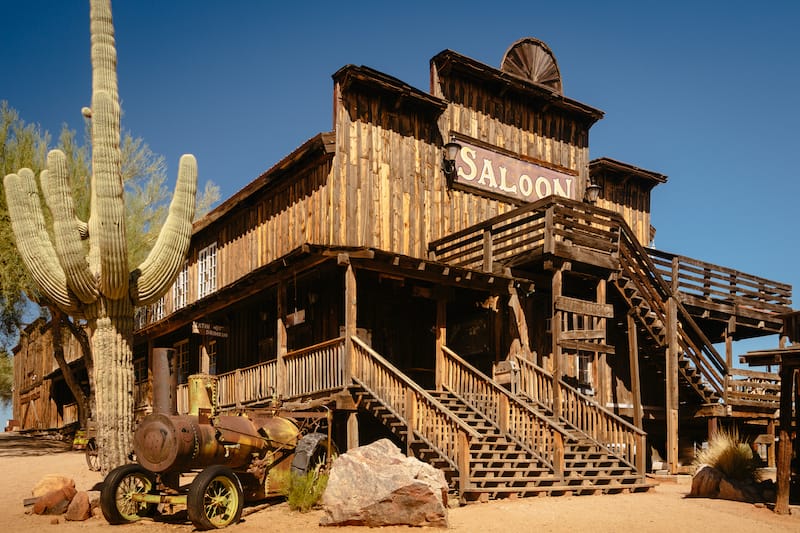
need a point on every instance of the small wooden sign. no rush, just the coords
(296, 318)
(209, 330)
(500, 174)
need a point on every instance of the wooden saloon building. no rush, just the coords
(495, 311)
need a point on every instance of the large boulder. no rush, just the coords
(376, 485)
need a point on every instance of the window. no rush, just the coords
(212, 357)
(207, 270)
(181, 288)
(140, 370)
(158, 310)
(182, 361)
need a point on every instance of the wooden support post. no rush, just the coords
(559, 460)
(600, 364)
(555, 328)
(488, 253)
(521, 322)
(352, 430)
(784, 464)
(350, 307)
(771, 446)
(672, 386)
(411, 420)
(636, 387)
(441, 341)
(713, 427)
(281, 341)
(503, 413)
(463, 463)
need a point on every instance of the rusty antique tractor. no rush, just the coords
(231, 458)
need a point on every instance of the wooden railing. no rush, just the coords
(749, 388)
(531, 428)
(247, 385)
(315, 369)
(551, 225)
(423, 415)
(706, 281)
(583, 413)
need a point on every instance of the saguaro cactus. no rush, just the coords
(84, 268)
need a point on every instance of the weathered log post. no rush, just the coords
(93, 281)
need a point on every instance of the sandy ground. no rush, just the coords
(664, 508)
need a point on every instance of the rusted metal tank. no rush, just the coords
(167, 442)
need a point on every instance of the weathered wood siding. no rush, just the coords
(387, 188)
(629, 199)
(32, 404)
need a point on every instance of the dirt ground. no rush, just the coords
(664, 508)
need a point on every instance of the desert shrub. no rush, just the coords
(730, 455)
(302, 491)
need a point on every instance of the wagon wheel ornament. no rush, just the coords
(533, 60)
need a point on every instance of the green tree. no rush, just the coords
(6, 378)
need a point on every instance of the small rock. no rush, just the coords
(54, 502)
(52, 482)
(79, 508)
(55, 521)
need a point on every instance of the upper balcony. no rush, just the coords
(721, 299)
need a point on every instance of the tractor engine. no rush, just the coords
(167, 442)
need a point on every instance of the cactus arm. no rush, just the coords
(33, 242)
(157, 272)
(66, 230)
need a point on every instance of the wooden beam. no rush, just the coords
(672, 385)
(519, 320)
(441, 340)
(350, 308)
(784, 463)
(281, 342)
(555, 328)
(352, 430)
(633, 354)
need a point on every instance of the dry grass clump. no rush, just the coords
(730, 455)
(302, 491)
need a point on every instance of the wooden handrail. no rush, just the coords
(426, 419)
(407, 382)
(621, 438)
(528, 426)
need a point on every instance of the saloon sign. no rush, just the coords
(496, 173)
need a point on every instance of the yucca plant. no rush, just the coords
(730, 455)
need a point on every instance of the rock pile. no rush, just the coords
(56, 495)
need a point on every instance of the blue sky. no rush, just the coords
(704, 92)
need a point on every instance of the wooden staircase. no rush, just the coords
(489, 443)
(656, 309)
